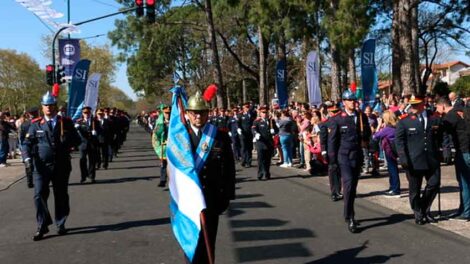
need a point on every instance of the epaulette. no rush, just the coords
(324, 120)
(343, 114)
(36, 119)
(403, 116)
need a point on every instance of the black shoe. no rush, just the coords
(430, 219)
(340, 196)
(40, 234)
(352, 226)
(93, 181)
(334, 197)
(61, 231)
(30, 185)
(82, 181)
(420, 221)
(162, 184)
(247, 166)
(105, 167)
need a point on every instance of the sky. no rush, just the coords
(22, 31)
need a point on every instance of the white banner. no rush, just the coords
(91, 92)
(313, 79)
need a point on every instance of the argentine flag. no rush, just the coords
(186, 197)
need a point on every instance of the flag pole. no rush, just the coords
(203, 214)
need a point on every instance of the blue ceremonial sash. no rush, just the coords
(205, 146)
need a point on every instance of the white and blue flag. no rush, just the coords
(186, 197)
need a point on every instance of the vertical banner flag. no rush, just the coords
(281, 84)
(368, 72)
(91, 91)
(69, 54)
(186, 197)
(77, 89)
(313, 79)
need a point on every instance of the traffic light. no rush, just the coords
(50, 74)
(140, 8)
(150, 5)
(60, 77)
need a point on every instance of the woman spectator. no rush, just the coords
(386, 135)
(304, 134)
(314, 146)
(286, 131)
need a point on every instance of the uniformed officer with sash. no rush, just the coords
(346, 133)
(159, 140)
(47, 145)
(217, 169)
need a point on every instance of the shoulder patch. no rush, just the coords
(403, 116)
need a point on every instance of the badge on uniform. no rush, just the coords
(344, 127)
(204, 147)
(412, 129)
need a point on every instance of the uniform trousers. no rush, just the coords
(334, 177)
(163, 175)
(103, 155)
(88, 162)
(421, 203)
(265, 154)
(350, 178)
(246, 141)
(236, 148)
(59, 176)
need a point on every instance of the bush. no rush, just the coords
(462, 86)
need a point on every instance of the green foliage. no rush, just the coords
(22, 81)
(462, 86)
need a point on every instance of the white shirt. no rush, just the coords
(54, 120)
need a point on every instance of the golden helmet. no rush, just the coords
(197, 103)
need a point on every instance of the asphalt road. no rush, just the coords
(123, 218)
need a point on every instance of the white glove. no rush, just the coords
(239, 131)
(258, 136)
(93, 132)
(77, 125)
(272, 131)
(254, 140)
(229, 134)
(323, 153)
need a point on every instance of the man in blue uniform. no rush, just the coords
(346, 133)
(246, 137)
(232, 124)
(47, 145)
(88, 129)
(263, 132)
(416, 139)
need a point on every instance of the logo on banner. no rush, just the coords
(369, 59)
(312, 66)
(280, 75)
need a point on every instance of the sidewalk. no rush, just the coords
(11, 174)
(372, 189)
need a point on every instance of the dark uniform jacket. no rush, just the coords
(345, 138)
(106, 134)
(456, 126)
(217, 177)
(418, 148)
(232, 125)
(245, 122)
(264, 129)
(50, 147)
(85, 129)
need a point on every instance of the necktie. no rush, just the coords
(49, 124)
(199, 134)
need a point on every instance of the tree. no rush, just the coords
(22, 82)
(462, 86)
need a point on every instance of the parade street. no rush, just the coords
(124, 218)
